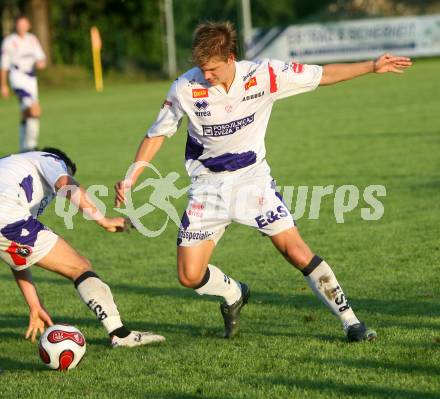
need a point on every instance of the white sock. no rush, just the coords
(30, 138)
(98, 297)
(323, 283)
(220, 284)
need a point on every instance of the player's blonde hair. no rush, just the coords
(214, 39)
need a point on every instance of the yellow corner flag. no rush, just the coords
(96, 52)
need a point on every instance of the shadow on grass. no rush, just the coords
(305, 301)
(7, 364)
(348, 389)
(180, 395)
(407, 367)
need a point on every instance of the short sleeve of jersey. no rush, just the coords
(290, 78)
(5, 56)
(52, 168)
(170, 115)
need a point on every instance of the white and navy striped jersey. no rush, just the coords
(21, 54)
(29, 180)
(226, 130)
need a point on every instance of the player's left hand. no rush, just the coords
(39, 319)
(391, 63)
(115, 225)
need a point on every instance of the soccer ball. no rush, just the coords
(62, 347)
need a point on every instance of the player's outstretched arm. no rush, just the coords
(67, 186)
(146, 152)
(334, 73)
(39, 319)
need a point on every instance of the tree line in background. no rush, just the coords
(133, 31)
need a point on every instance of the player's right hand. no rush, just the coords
(5, 91)
(39, 319)
(120, 188)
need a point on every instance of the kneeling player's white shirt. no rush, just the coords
(29, 179)
(226, 130)
(27, 186)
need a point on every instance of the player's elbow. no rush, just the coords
(40, 65)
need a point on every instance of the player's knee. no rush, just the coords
(189, 278)
(35, 111)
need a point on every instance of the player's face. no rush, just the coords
(22, 26)
(217, 71)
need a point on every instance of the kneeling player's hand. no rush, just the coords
(115, 225)
(39, 319)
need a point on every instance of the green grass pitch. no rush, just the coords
(374, 130)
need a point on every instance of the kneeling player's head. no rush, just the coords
(214, 40)
(71, 167)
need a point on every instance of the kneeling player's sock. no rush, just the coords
(322, 281)
(31, 135)
(98, 297)
(215, 282)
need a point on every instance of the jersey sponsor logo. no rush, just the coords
(19, 253)
(271, 216)
(250, 83)
(43, 204)
(196, 209)
(199, 93)
(202, 106)
(193, 235)
(253, 96)
(166, 103)
(248, 75)
(297, 68)
(226, 129)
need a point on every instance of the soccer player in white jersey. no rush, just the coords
(28, 183)
(21, 55)
(228, 104)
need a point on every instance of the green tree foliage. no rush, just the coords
(130, 31)
(133, 30)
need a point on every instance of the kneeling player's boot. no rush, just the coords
(136, 338)
(231, 313)
(360, 332)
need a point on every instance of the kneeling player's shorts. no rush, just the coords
(215, 202)
(25, 241)
(25, 87)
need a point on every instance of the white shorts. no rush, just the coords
(215, 202)
(25, 87)
(25, 240)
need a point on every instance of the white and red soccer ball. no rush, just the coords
(62, 347)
